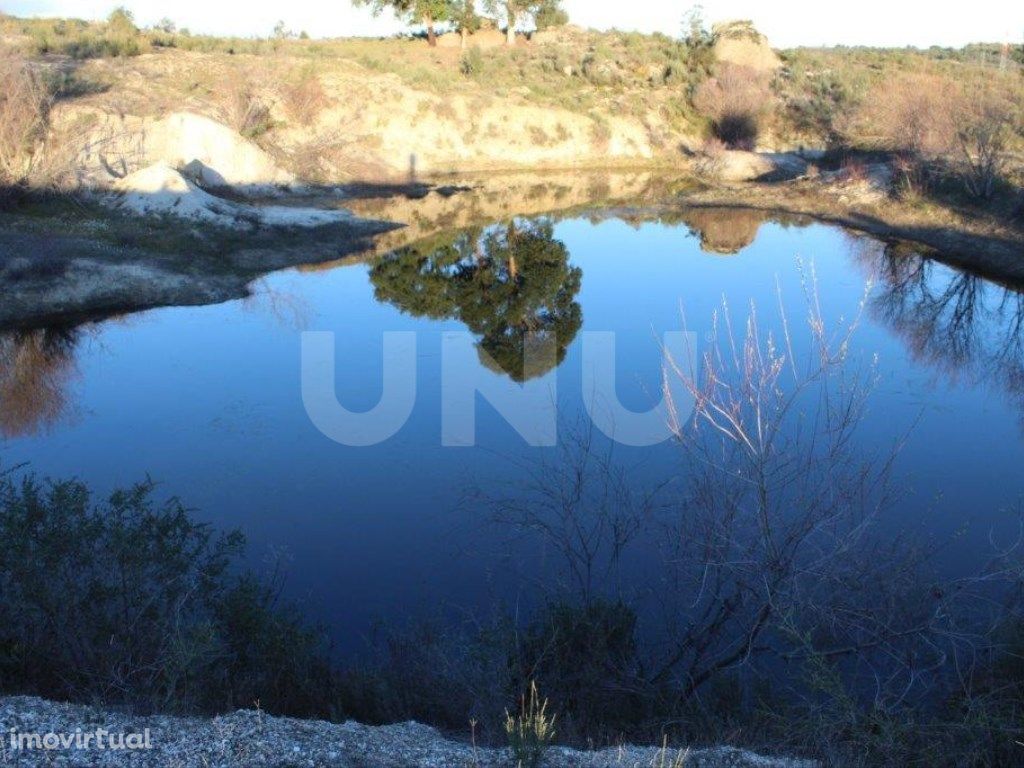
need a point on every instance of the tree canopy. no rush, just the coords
(462, 14)
(541, 12)
(464, 17)
(426, 12)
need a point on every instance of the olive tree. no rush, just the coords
(426, 12)
(518, 11)
(465, 19)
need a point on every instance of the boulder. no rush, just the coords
(735, 165)
(740, 44)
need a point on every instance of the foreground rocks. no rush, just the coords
(252, 739)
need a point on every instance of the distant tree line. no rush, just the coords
(462, 15)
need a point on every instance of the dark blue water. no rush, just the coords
(207, 401)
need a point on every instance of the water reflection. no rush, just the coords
(511, 285)
(36, 368)
(724, 231)
(959, 324)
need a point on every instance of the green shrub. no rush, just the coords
(118, 36)
(133, 603)
(550, 15)
(587, 658)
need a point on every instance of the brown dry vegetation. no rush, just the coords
(304, 98)
(244, 109)
(25, 103)
(35, 371)
(937, 125)
(735, 101)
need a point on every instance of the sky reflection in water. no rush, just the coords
(207, 400)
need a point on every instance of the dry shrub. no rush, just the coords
(984, 122)
(735, 101)
(318, 159)
(25, 103)
(853, 170)
(304, 99)
(936, 124)
(907, 113)
(245, 111)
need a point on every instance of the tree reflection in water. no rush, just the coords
(36, 368)
(957, 323)
(512, 286)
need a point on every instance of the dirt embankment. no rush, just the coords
(972, 239)
(352, 122)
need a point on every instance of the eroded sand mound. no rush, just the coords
(215, 153)
(161, 190)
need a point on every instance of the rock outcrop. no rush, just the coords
(740, 44)
(254, 740)
(739, 166)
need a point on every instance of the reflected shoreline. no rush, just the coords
(71, 280)
(512, 282)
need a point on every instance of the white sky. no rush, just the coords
(786, 22)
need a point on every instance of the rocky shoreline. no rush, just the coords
(254, 740)
(49, 280)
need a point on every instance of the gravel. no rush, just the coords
(254, 740)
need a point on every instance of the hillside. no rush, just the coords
(338, 110)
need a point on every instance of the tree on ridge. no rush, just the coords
(426, 12)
